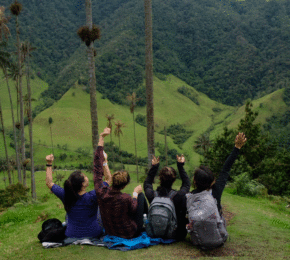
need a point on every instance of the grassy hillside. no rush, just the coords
(37, 87)
(71, 119)
(266, 106)
(71, 127)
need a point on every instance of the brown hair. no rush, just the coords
(120, 179)
(167, 176)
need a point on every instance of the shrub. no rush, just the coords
(245, 186)
(142, 178)
(216, 109)
(141, 120)
(59, 178)
(39, 167)
(178, 133)
(45, 197)
(189, 93)
(62, 156)
(13, 194)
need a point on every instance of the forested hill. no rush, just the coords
(230, 50)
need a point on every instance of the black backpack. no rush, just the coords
(162, 220)
(52, 231)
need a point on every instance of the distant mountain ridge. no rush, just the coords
(229, 50)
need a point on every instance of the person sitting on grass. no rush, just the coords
(122, 214)
(204, 179)
(207, 226)
(167, 177)
(83, 216)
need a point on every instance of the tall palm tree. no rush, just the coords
(203, 143)
(89, 34)
(15, 9)
(118, 131)
(4, 63)
(13, 72)
(109, 123)
(133, 100)
(26, 50)
(149, 79)
(5, 144)
(110, 118)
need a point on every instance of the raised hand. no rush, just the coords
(49, 158)
(180, 159)
(240, 140)
(155, 160)
(138, 189)
(106, 132)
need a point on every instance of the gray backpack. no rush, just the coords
(162, 221)
(206, 227)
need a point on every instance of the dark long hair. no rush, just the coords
(167, 176)
(203, 178)
(72, 186)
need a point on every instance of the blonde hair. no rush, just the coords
(120, 179)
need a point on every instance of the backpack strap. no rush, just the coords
(171, 194)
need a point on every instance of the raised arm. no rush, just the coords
(99, 160)
(48, 180)
(106, 169)
(185, 186)
(223, 177)
(148, 187)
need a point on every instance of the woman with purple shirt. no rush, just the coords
(83, 218)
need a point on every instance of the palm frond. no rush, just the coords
(15, 8)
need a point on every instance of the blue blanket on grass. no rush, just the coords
(113, 242)
(135, 243)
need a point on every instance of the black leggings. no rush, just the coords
(142, 208)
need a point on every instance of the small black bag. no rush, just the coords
(52, 231)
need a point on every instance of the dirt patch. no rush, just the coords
(227, 214)
(225, 250)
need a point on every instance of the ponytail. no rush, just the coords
(72, 187)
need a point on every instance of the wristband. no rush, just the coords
(49, 165)
(105, 164)
(135, 194)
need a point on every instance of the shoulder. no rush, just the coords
(126, 197)
(91, 193)
(56, 188)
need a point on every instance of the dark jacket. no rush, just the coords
(178, 200)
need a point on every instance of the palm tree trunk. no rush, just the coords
(135, 147)
(149, 79)
(92, 78)
(21, 103)
(33, 189)
(5, 145)
(165, 136)
(14, 131)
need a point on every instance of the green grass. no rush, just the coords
(260, 229)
